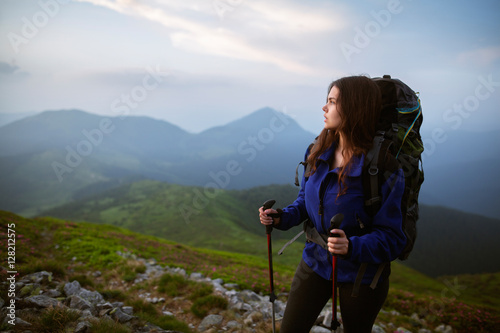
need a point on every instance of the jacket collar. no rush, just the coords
(356, 167)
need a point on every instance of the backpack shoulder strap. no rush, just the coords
(307, 166)
(379, 164)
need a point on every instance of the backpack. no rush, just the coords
(397, 143)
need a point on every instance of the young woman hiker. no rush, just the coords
(335, 186)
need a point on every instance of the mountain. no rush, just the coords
(227, 220)
(52, 157)
(56, 156)
(461, 171)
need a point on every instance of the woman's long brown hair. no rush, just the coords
(358, 104)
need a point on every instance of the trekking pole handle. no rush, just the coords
(335, 223)
(266, 205)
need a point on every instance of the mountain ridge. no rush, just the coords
(52, 161)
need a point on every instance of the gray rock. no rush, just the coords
(248, 295)
(39, 277)
(402, 330)
(78, 303)
(119, 315)
(444, 329)
(209, 322)
(83, 327)
(196, 276)
(233, 324)
(218, 281)
(231, 286)
(128, 310)
(424, 330)
(18, 322)
(92, 296)
(54, 293)
(72, 288)
(377, 329)
(319, 329)
(42, 301)
(327, 321)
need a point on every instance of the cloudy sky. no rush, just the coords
(203, 63)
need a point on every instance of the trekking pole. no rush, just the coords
(269, 228)
(335, 224)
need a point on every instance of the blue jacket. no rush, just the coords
(373, 241)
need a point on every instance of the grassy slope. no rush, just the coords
(51, 244)
(186, 215)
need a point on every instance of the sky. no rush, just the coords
(199, 64)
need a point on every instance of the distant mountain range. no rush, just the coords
(228, 221)
(56, 157)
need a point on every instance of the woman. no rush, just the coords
(335, 186)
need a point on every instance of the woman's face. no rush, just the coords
(332, 112)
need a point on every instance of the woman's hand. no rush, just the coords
(338, 245)
(268, 220)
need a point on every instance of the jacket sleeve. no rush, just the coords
(386, 240)
(295, 213)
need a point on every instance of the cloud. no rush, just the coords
(195, 28)
(482, 57)
(7, 69)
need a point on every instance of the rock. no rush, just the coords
(18, 322)
(83, 327)
(253, 317)
(76, 302)
(128, 310)
(231, 286)
(39, 277)
(209, 322)
(424, 330)
(402, 330)
(218, 281)
(42, 301)
(53, 293)
(377, 329)
(327, 321)
(92, 296)
(119, 315)
(30, 289)
(196, 276)
(233, 324)
(319, 329)
(248, 295)
(72, 288)
(444, 329)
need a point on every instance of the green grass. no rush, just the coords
(63, 246)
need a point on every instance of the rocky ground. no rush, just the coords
(247, 311)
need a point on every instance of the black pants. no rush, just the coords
(310, 292)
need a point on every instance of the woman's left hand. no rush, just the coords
(338, 245)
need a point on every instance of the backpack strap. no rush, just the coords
(312, 235)
(307, 166)
(373, 200)
(361, 273)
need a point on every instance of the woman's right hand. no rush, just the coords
(268, 220)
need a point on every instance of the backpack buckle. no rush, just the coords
(373, 170)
